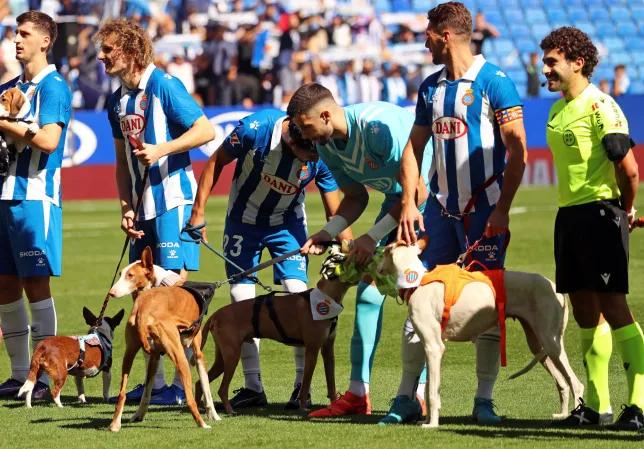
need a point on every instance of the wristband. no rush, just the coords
(336, 225)
(382, 228)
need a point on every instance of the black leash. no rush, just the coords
(139, 202)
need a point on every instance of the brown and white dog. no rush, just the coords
(156, 323)
(287, 318)
(15, 104)
(531, 298)
(83, 356)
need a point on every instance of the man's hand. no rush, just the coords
(149, 153)
(127, 225)
(409, 215)
(311, 246)
(498, 223)
(362, 250)
(196, 219)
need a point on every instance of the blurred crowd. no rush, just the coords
(248, 52)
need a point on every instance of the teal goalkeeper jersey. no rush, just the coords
(378, 133)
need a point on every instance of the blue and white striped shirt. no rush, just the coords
(468, 149)
(35, 175)
(269, 181)
(158, 110)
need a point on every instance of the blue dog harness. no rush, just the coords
(97, 339)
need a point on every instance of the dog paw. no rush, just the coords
(114, 428)
(206, 426)
(136, 418)
(429, 426)
(559, 416)
(81, 399)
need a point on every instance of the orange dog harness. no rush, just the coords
(454, 278)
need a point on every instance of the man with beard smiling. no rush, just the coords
(598, 179)
(266, 211)
(155, 122)
(474, 113)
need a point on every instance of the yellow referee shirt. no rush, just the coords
(574, 133)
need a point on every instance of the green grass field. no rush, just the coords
(92, 241)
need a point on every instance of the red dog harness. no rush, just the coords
(454, 278)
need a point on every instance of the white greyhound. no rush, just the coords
(531, 298)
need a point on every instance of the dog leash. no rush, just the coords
(197, 237)
(139, 201)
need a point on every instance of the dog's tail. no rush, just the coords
(206, 327)
(35, 369)
(536, 359)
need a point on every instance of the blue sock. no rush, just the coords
(366, 331)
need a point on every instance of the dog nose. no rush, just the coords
(112, 293)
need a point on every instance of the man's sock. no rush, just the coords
(487, 362)
(366, 333)
(596, 347)
(250, 363)
(43, 325)
(15, 331)
(630, 345)
(298, 355)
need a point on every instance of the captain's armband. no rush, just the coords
(617, 145)
(508, 115)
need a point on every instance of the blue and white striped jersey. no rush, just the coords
(158, 110)
(269, 181)
(35, 175)
(467, 141)
(378, 133)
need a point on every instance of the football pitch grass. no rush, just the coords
(92, 241)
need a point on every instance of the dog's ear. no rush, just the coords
(90, 318)
(146, 258)
(422, 243)
(17, 101)
(116, 319)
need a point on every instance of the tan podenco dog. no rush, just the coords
(287, 318)
(157, 318)
(531, 298)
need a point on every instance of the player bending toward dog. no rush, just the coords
(266, 211)
(598, 179)
(362, 145)
(153, 108)
(30, 202)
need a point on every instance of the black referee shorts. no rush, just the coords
(591, 248)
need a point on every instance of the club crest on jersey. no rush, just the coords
(132, 124)
(143, 104)
(304, 172)
(449, 128)
(279, 185)
(468, 97)
(372, 164)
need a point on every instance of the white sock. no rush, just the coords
(250, 364)
(43, 324)
(159, 377)
(413, 358)
(15, 330)
(359, 388)
(420, 391)
(487, 362)
(298, 355)
(177, 378)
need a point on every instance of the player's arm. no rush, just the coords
(411, 180)
(628, 179)
(207, 181)
(201, 132)
(331, 202)
(124, 187)
(514, 138)
(44, 139)
(353, 203)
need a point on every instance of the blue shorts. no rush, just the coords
(162, 234)
(31, 238)
(243, 244)
(448, 238)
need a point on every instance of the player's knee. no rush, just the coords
(242, 292)
(36, 287)
(294, 285)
